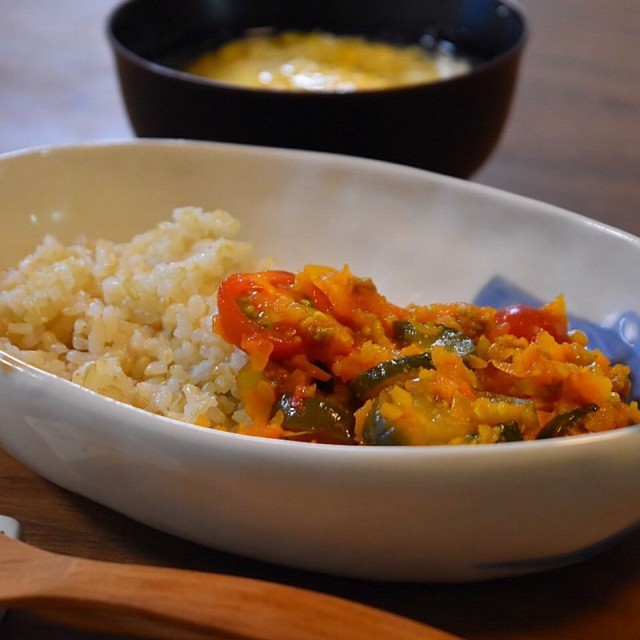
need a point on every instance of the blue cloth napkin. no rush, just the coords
(620, 342)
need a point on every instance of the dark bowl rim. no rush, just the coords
(189, 78)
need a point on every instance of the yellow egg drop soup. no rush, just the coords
(323, 62)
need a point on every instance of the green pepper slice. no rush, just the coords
(379, 431)
(316, 418)
(429, 336)
(563, 423)
(369, 383)
(510, 432)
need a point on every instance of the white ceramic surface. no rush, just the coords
(415, 513)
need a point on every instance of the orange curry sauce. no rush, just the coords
(331, 360)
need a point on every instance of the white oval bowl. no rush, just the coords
(387, 513)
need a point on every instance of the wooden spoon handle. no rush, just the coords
(188, 605)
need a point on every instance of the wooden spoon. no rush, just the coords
(185, 605)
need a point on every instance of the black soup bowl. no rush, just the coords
(449, 126)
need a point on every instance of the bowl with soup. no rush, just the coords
(427, 84)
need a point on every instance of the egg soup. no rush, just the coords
(323, 62)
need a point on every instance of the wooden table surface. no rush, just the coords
(573, 140)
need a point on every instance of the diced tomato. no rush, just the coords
(527, 322)
(353, 301)
(248, 313)
(273, 316)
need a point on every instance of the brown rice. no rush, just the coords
(133, 321)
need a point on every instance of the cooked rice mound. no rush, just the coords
(133, 320)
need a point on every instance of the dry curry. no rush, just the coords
(331, 360)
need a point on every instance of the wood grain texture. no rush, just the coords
(158, 602)
(573, 140)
